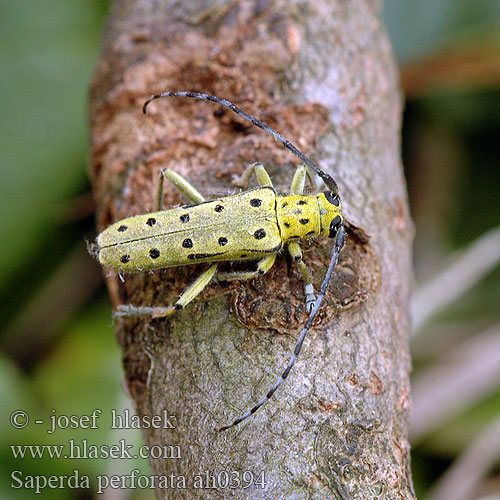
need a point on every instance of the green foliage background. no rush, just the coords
(58, 349)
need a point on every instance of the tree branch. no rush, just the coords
(321, 73)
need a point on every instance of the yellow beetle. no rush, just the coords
(252, 225)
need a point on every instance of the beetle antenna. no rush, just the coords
(332, 185)
(339, 243)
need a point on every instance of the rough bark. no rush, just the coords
(321, 72)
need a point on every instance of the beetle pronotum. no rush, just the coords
(253, 225)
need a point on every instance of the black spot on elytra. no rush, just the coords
(187, 243)
(222, 241)
(243, 256)
(122, 228)
(151, 221)
(194, 256)
(310, 233)
(219, 208)
(154, 253)
(125, 258)
(284, 204)
(255, 202)
(302, 202)
(304, 221)
(259, 234)
(287, 224)
(184, 217)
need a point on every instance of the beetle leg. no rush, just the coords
(298, 181)
(189, 191)
(191, 292)
(262, 267)
(296, 253)
(262, 176)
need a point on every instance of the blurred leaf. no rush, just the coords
(86, 356)
(420, 28)
(466, 474)
(455, 435)
(459, 276)
(83, 373)
(33, 330)
(14, 389)
(48, 50)
(469, 67)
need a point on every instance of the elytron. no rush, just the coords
(252, 225)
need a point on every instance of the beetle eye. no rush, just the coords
(334, 226)
(333, 198)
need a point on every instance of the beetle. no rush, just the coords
(251, 225)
